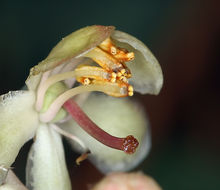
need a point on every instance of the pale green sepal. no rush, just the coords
(73, 45)
(118, 117)
(52, 93)
(146, 72)
(12, 183)
(46, 166)
(18, 123)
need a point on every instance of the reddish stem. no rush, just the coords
(128, 144)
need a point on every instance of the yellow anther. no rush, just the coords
(86, 81)
(130, 56)
(114, 75)
(123, 71)
(113, 50)
(123, 78)
(130, 93)
(130, 88)
(121, 54)
(113, 80)
(119, 74)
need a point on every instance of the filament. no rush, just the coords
(113, 89)
(69, 135)
(51, 80)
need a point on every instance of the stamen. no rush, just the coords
(113, 89)
(119, 74)
(114, 75)
(128, 144)
(43, 79)
(69, 135)
(83, 157)
(107, 45)
(113, 80)
(105, 60)
(123, 78)
(93, 72)
(123, 71)
(130, 90)
(122, 55)
(113, 50)
(50, 81)
(71, 66)
(117, 89)
(86, 81)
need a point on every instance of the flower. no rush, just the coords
(100, 59)
(122, 181)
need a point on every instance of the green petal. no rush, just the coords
(118, 117)
(18, 122)
(146, 72)
(74, 45)
(46, 166)
(12, 183)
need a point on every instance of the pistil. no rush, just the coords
(127, 144)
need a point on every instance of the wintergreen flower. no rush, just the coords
(103, 60)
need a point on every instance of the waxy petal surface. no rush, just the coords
(46, 166)
(18, 123)
(146, 72)
(118, 117)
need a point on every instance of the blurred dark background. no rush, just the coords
(183, 35)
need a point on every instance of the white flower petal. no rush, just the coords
(46, 167)
(12, 183)
(147, 76)
(18, 122)
(118, 117)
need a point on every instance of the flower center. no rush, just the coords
(109, 76)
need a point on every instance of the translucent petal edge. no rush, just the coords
(156, 83)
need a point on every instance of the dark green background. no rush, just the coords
(184, 36)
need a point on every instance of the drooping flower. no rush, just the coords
(99, 59)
